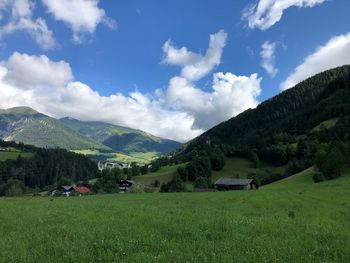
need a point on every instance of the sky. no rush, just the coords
(171, 68)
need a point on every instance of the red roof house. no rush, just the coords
(82, 189)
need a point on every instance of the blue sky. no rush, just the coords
(120, 51)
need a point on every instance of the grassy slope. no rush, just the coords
(234, 168)
(279, 224)
(326, 124)
(31, 127)
(117, 156)
(165, 174)
(240, 168)
(14, 155)
(47, 131)
(121, 139)
(301, 179)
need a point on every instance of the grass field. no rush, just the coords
(234, 168)
(240, 168)
(119, 157)
(163, 175)
(293, 220)
(14, 155)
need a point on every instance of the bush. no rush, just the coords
(14, 187)
(330, 163)
(182, 172)
(156, 183)
(198, 167)
(319, 177)
(296, 166)
(175, 185)
(203, 182)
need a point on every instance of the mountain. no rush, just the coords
(120, 138)
(296, 111)
(23, 124)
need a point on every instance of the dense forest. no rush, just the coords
(301, 127)
(43, 171)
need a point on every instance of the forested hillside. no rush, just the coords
(308, 125)
(43, 169)
(295, 111)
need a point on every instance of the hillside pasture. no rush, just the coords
(13, 155)
(278, 224)
(163, 175)
(236, 167)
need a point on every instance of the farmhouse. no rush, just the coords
(82, 190)
(110, 165)
(224, 184)
(124, 185)
(68, 190)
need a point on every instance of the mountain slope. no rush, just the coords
(296, 111)
(23, 124)
(120, 138)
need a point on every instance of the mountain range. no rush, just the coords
(23, 124)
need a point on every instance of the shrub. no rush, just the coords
(203, 182)
(175, 185)
(319, 177)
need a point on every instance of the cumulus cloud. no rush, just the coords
(336, 52)
(50, 88)
(194, 65)
(180, 112)
(82, 16)
(266, 13)
(268, 58)
(230, 94)
(21, 19)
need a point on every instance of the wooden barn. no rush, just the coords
(226, 184)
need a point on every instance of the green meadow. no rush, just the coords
(13, 155)
(293, 220)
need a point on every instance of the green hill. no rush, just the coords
(295, 111)
(307, 125)
(122, 139)
(22, 124)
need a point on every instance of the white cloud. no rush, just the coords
(230, 96)
(336, 52)
(266, 13)
(268, 58)
(82, 16)
(195, 66)
(180, 112)
(50, 88)
(21, 20)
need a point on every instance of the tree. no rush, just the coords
(198, 167)
(183, 173)
(14, 187)
(175, 185)
(203, 182)
(330, 163)
(255, 159)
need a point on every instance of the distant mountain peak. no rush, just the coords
(19, 110)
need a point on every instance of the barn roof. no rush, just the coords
(82, 189)
(67, 187)
(233, 181)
